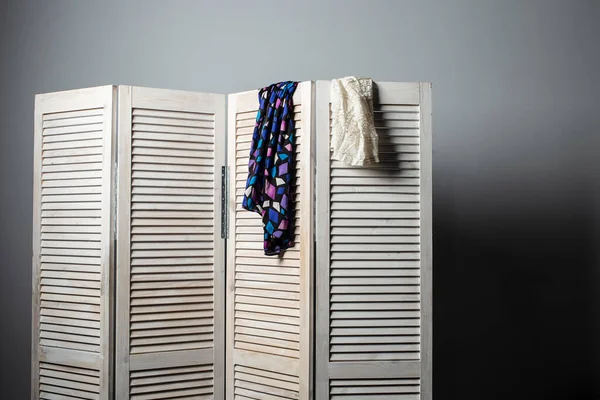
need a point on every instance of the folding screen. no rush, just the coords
(373, 337)
(158, 201)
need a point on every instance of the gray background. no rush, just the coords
(516, 141)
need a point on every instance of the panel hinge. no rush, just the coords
(224, 202)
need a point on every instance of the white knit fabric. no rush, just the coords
(353, 137)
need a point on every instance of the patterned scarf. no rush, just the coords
(270, 167)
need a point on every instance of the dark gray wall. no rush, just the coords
(516, 143)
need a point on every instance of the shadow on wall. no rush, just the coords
(514, 295)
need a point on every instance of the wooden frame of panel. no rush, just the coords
(322, 219)
(246, 102)
(70, 103)
(166, 102)
(426, 243)
(391, 93)
(123, 244)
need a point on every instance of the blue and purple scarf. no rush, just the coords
(271, 168)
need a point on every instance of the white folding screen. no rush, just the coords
(373, 338)
(145, 199)
(170, 287)
(72, 260)
(269, 299)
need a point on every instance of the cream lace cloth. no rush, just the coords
(353, 137)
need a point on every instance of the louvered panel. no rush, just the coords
(172, 309)
(72, 238)
(269, 304)
(170, 294)
(375, 304)
(70, 265)
(257, 384)
(374, 225)
(195, 382)
(59, 381)
(266, 295)
(374, 389)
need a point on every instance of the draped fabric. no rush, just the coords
(353, 136)
(270, 167)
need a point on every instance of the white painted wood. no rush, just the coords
(426, 244)
(270, 299)
(162, 101)
(306, 222)
(230, 360)
(171, 255)
(183, 382)
(219, 251)
(168, 359)
(73, 319)
(322, 240)
(374, 255)
(373, 236)
(107, 275)
(36, 241)
(388, 95)
(123, 273)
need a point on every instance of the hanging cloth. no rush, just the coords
(353, 136)
(270, 167)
